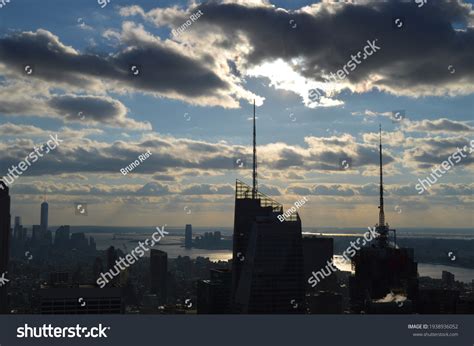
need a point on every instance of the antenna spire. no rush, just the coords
(254, 174)
(381, 211)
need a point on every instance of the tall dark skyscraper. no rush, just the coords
(17, 228)
(267, 265)
(36, 233)
(188, 237)
(62, 237)
(317, 251)
(44, 216)
(19, 232)
(159, 274)
(382, 267)
(5, 223)
(214, 294)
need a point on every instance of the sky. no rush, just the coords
(177, 79)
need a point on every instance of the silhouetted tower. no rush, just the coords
(111, 257)
(381, 211)
(44, 216)
(254, 173)
(382, 227)
(188, 237)
(111, 262)
(267, 261)
(98, 267)
(382, 267)
(5, 223)
(17, 228)
(159, 274)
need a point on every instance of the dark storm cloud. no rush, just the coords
(95, 109)
(417, 55)
(160, 69)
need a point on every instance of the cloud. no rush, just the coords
(413, 61)
(9, 129)
(179, 157)
(426, 153)
(390, 139)
(163, 67)
(442, 125)
(33, 98)
(153, 189)
(95, 109)
(454, 189)
(208, 189)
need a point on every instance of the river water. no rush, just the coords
(172, 245)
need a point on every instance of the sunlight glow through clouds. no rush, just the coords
(282, 76)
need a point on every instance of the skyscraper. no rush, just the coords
(188, 237)
(317, 252)
(37, 233)
(44, 216)
(81, 299)
(79, 242)
(158, 274)
(5, 222)
(383, 267)
(267, 265)
(17, 228)
(214, 294)
(61, 237)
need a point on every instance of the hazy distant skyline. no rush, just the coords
(191, 102)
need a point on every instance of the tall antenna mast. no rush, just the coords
(381, 211)
(254, 175)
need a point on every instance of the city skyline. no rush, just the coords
(190, 104)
